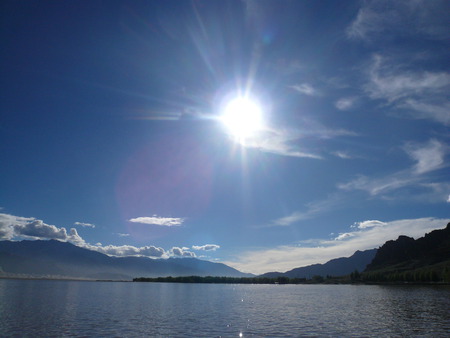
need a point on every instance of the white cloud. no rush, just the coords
(8, 223)
(368, 224)
(181, 252)
(162, 221)
(206, 247)
(84, 225)
(306, 89)
(30, 228)
(129, 250)
(344, 236)
(287, 257)
(15, 227)
(345, 103)
(144, 251)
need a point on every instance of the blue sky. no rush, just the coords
(111, 134)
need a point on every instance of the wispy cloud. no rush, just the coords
(342, 154)
(306, 89)
(122, 235)
(428, 157)
(84, 225)
(345, 235)
(345, 103)
(206, 247)
(415, 93)
(433, 192)
(310, 211)
(393, 83)
(290, 142)
(366, 21)
(379, 186)
(293, 218)
(155, 220)
(378, 18)
(437, 110)
(287, 257)
(279, 142)
(368, 224)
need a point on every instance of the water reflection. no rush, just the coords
(60, 308)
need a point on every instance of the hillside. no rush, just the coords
(61, 259)
(335, 267)
(426, 259)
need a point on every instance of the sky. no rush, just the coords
(113, 136)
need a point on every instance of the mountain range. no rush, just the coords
(406, 259)
(53, 258)
(335, 267)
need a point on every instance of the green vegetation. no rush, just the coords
(406, 260)
(437, 273)
(220, 280)
(245, 280)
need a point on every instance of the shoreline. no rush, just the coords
(179, 280)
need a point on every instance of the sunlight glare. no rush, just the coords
(242, 117)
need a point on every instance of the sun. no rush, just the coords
(242, 117)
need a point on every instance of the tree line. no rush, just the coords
(223, 280)
(245, 280)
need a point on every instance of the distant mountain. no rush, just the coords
(54, 258)
(406, 259)
(335, 267)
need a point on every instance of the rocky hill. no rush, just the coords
(426, 259)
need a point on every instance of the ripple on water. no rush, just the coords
(61, 308)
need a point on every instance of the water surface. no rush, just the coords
(74, 308)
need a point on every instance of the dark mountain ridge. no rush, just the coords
(55, 258)
(426, 259)
(433, 248)
(335, 267)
